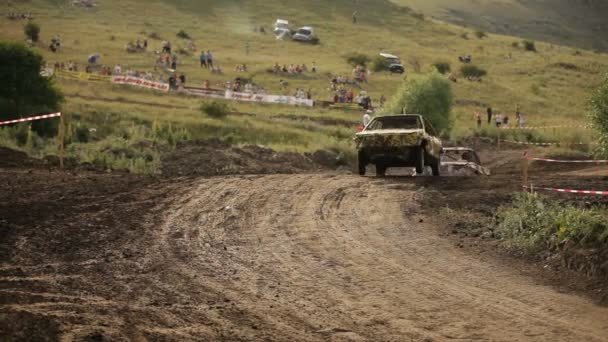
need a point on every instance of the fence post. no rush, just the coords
(61, 141)
(525, 164)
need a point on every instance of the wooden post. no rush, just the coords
(61, 140)
(524, 167)
(498, 140)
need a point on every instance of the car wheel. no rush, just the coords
(362, 163)
(420, 160)
(380, 170)
(435, 166)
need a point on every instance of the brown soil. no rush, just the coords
(278, 257)
(215, 157)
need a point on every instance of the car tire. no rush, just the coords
(380, 170)
(420, 159)
(361, 163)
(435, 166)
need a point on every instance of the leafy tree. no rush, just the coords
(599, 115)
(32, 31)
(429, 95)
(23, 91)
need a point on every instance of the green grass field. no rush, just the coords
(550, 86)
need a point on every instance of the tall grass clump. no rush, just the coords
(429, 95)
(470, 70)
(215, 109)
(443, 67)
(529, 45)
(537, 225)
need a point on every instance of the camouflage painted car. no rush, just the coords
(398, 141)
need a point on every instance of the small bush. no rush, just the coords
(215, 109)
(380, 63)
(32, 31)
(480, 34)
(355, 59)
(537, 225)
(443, 67)
(82, 134)
(515, 45)
(183, 34)
(471, 70)
(465, 36)
(529, 45)
(154, 35)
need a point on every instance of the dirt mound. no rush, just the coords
(10, 158)
(216, 158)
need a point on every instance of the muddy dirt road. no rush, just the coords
(315, 257)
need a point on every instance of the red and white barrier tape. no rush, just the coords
(570, 191)
(32, 118)
(547, 144)
(547, 127)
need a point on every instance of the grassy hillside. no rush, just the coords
(550, 86)
(579, 23)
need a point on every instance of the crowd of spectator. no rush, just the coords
(293, 69)
(20, 16)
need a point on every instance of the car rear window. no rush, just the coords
(395, 122)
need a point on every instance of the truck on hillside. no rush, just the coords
(406, 140)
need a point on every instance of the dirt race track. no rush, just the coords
(304, 257)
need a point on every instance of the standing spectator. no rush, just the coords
(354, 17)
(505, 122)
(182, 78)
(521, 122)
(498, 120)
(489, 110)
(247, 48)
(314, 67)
(203, 59)
(209, 59)
(382, 100)
(174, 62)
(145, 44)
(367, 117)
(478, 117)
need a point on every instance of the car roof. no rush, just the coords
(398, 115)
(282, 21)
(309, 28)
(388, 55)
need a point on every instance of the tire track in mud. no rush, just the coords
(314, 256)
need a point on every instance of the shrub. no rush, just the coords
(82, 134)
(380, 63)
(355, 59)
(465, 35)
(537, 225)
(430, 95)
(480, 34)
(529, 45)
(154, 35)
(183, 34)
(598, 105)
(470, 70)
(567, 66)
(215, 109)
(442, 67)
(29, 93)
(515, 45)
(32, 31)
